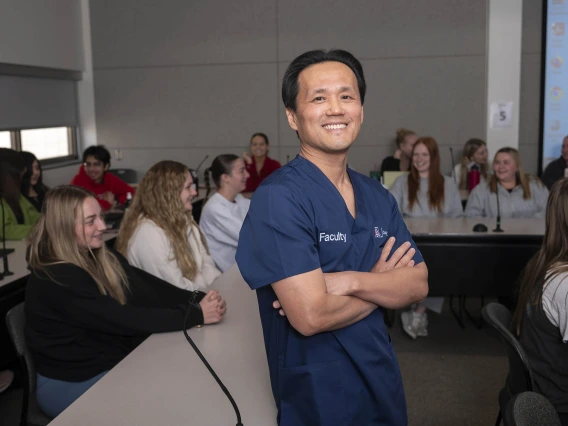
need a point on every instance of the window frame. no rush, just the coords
(72, 140)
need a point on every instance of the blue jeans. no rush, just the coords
(54, 396)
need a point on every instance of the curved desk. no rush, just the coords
(163, 382)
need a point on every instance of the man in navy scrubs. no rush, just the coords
(317, 242)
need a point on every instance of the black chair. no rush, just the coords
(127, 175)
(530, 409)
(31, 413)
(520, 377)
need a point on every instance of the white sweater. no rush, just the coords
(221, 222)
(150, 249)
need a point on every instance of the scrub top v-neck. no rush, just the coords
(298, 222)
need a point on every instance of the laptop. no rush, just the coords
(390, 177)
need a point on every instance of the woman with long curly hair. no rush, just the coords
(541, 317)
(158, 233)
(86, 307)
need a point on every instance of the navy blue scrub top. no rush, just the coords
(298, 222)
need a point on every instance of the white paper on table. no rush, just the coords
(501, 115)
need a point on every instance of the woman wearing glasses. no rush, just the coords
(93, 175)
(158, 233)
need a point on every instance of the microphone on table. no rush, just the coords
(453, 165)
(6, 271)
(192, 302)
(498, 228)
(207, 180)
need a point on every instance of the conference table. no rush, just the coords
(465, 263)
(163, 382)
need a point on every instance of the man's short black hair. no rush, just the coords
(290, 80)
(99, 152)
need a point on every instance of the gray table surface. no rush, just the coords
(163, 382)
(464, 226)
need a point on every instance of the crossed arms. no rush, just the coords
(315, 302)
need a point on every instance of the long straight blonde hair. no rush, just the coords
(522, 178)
(53, 240)
(158, 199)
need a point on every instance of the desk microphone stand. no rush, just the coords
(6, 271)
(498, 227)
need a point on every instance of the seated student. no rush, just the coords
(93, 175)
(425, 192)
(474, 154)
(224, 213)
(402, 158)
(158, 233)
(17, 215)
(520, 195)
(541, 316)
(32, 183)
(86, 307)
(259, 164)
(556, 169)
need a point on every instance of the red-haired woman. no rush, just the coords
(425, 192)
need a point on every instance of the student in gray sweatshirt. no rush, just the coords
(520, 195)
(425, 192)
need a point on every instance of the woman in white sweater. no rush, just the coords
(158, 233)
(224, 213)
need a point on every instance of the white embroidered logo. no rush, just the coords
(380, 232)
(333, 237)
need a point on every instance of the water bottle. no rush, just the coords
(474, 177)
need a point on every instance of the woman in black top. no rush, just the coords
(402, 158)
(32, 181)
(86, 307)
(541, 316)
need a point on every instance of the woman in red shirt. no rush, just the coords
(260, 165)
(109, 189)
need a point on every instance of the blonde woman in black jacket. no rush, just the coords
(86, 307)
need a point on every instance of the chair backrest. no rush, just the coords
(16, 324)
(520, 377)
(127, 175)
(530, 409)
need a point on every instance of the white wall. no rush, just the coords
(44, 33)
(181, 79)
(53, 34)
